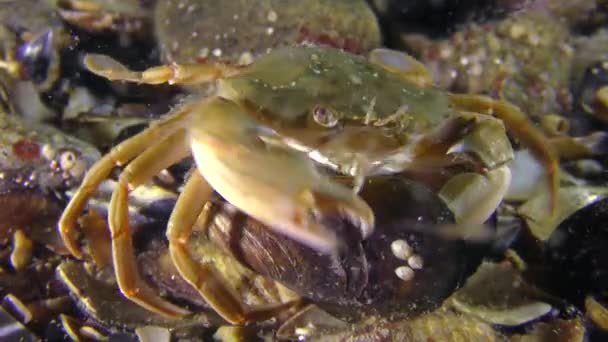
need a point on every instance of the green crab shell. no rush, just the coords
(288, 84)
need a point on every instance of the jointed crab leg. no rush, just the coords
(141, 169)
(172, 73)
(521, 127)
(119, 155)
(203, 277)
(7, 60)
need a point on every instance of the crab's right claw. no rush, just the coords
(473, 197)
(331, 199)
(278, 186)
(285, 192)
(524, 130)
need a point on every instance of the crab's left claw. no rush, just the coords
(274, 184)
(473, 197)
(520, 126)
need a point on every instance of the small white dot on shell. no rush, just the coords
(67, 160)
(404, 273)
(48, 152)
(272, 16)
(401, 249)
(245, 58)
(415, 262)
(203, 53)
(78, 170)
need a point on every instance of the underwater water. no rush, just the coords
(319, 170)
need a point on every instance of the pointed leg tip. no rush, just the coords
(179, 313)
(361, 215)
(170, 311)
(73, 249)
(70, 244)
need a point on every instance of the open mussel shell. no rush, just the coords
(288, 262)
(406, 210)
(253, 290)
(497, 294)
(102, 303)
(570, 199)
(443, 324)
(365, 276)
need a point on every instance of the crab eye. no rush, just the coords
(324, 116)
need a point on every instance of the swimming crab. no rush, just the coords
(272, 140)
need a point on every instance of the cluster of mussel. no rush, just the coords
(527, 274)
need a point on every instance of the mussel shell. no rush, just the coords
(360, 279)
(582, 120)
(36, 56)
(321, 277)
(576, 257)
(408, 210)
(32, 211)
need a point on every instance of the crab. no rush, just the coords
(272, 140)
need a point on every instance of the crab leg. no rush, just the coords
(111, 69)
(7, 60)
(119, 155)
(204, 277)
(12, 68)
(520, 126)
(141, 169)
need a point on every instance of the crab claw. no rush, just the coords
(278, 186)
(520, 126)
(473, 197)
